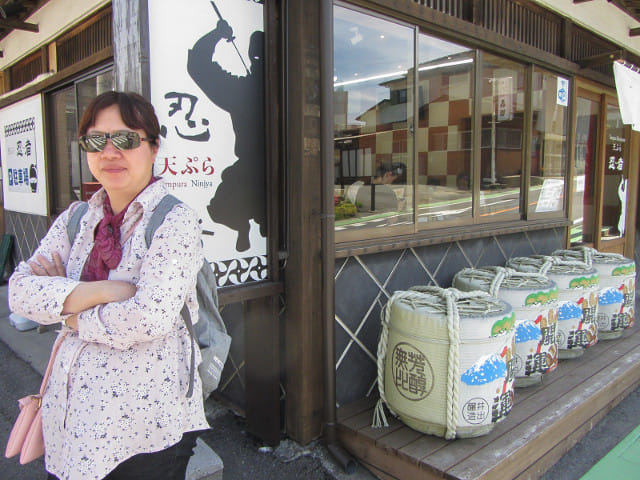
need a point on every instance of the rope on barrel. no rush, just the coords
(543, 263)
(379, 418)
(417, 297)
(494, 278)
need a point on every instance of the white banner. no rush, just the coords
(504, 92)
(628, 88)
(22, 155)
(207, 86)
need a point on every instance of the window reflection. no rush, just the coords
(582, 214)
(443, 137)
(373, 59)
(503, 87)
(548, 142)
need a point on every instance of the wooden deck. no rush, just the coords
(545, 422)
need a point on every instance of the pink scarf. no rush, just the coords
(106, 253)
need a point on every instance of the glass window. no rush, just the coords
(373, 105)
(443, 136)
(548, 161)
(614, 199)
(503, 103)
(582, 214)
(414, 146)
(71, 177)
(64, 152)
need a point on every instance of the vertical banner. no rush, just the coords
(22, 155)
(504, 94)
(207, 86)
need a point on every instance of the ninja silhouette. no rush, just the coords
(240, 196)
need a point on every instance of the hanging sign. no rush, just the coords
(504, 90)
(628, 88)
(562, 94)
(207, 86)
(22, 155)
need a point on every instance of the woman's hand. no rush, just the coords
(44, 268)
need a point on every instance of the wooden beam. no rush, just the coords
(580, 1)
(18, 25)
(601, 59)
(634, 32)
(262, 368)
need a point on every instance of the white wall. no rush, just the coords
(599, 16)
(53, 18)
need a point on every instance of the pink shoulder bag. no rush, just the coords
(26, 434)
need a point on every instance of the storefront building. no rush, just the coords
(337, 151)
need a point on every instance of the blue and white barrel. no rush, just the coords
(534, 299)
(617, 297)
(578, 286)
(445, 361)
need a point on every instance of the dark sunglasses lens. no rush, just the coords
(93, 143)
(125, 140)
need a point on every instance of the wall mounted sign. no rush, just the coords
(207, 86)
(22, 156)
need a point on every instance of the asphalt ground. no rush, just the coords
(243, 455)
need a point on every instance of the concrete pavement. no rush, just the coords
(24, 356)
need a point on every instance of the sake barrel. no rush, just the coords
(534, 299)
(617, 297)
(577, 299)
(445, 361)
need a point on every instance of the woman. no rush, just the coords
(116, 404)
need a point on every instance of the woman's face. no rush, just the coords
(122, 173)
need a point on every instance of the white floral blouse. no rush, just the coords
(119, 384)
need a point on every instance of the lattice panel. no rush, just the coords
(365, 283)
(28, 230)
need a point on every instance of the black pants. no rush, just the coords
(168, 464)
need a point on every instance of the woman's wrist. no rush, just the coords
(71, 322)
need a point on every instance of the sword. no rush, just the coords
(232, 40)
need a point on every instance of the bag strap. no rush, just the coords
(54, 352)
(73, 225)
(157, 217)
(192, 363)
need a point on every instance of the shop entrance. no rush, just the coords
(601, 173)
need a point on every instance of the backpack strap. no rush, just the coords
(186, 315)
(73, 224)
(157, 217)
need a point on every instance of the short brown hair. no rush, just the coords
(135, 110)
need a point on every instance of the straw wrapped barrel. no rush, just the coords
(616, 300)
(534, 299)
(578, 286)
(445, 361)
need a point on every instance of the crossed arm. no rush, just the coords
(86, 294)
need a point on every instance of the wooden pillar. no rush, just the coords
(262, 372)
(303, 281)
(131, 46)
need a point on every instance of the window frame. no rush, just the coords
(53, 163)
(475, 226)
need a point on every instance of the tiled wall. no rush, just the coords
(364, 283)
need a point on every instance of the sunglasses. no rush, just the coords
(123, 140)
